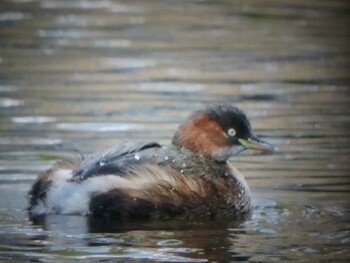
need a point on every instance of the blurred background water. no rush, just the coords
(81, 75)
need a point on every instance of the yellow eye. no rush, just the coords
(231, 132)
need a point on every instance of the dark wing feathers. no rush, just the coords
(115, 160)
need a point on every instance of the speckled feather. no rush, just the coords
(119, 160)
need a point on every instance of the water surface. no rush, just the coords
(82, 75)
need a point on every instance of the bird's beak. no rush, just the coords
(255, 143)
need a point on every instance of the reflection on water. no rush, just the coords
(81, 75)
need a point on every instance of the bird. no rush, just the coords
(189, 178)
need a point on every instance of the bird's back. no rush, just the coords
(141, 180)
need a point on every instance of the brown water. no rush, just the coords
(83, 75)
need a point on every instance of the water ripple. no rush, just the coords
(99, 127)
(13, 16)
(8, 102)
(32, 119)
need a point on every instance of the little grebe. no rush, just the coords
(189, 178)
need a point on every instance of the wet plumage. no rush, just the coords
(189, 178)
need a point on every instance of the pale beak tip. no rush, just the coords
(258, 145)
